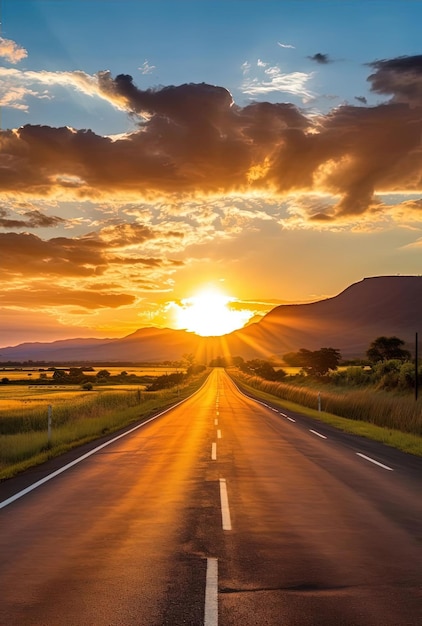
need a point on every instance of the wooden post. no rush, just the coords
(416, 368)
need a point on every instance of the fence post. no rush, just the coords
(50, 412)
(416, 367)
(319, 401)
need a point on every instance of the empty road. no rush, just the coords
(222, 511)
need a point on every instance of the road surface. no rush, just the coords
(220, 511)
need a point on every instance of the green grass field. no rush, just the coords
(78, 416)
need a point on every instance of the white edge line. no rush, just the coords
(267, 406)
(368, 458)
(30, 488)
(225, 511)
(211, 593)
(317, 433)
(214, 451)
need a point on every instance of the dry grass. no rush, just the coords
(397, 415)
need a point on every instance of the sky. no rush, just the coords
(264, 151)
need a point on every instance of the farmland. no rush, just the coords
(77, 415)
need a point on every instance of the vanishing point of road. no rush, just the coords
(221, 511)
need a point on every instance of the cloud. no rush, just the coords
(401, 77)
(194, 141)
(285, 45)
(321, 58)
(34, 219)
(146, 68)
(274, 80)
(18, 84)
(61, 297)
(11, 51)
(361, 99)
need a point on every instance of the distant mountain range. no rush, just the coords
(384, 305)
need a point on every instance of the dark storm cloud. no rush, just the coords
(194, 140)
(401, 77)
(321, 58)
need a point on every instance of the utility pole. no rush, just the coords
(416, 367)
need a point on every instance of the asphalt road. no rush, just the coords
(221, 511)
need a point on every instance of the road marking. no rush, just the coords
(225, 511)
(214, 452)
(283, 414)
(368, 458)
(217, 413)
(211, 593)
(290, 419)
(318, 434)
(85, 456)
(215, 422)
(218, 434)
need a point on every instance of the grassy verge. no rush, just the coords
(405, 441)
(86, 421)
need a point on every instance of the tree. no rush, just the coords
(317, 362)
(59, 375)
(324, 360)
(104, 374)
(387, 348)
(188, 359)
(263, 369)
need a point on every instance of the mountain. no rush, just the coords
(384, 305)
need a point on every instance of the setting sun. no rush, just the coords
(208, 313)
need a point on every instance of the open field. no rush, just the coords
(78, 416)
(32, 374)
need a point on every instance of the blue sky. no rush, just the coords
(174, 42)
(312, 191)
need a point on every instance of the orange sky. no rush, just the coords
(267, 201)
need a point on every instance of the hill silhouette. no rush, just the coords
(384, 305)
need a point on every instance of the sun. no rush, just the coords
(208, 313)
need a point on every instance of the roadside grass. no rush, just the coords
(24, 440)
(391, 435)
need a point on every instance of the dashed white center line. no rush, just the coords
(216, 422)
(368, 458)
(283, 414)
(214, 451)
(218, 434)
(225, 511)
(217, 413)
(317, 433)
(211, 593)
(290, 419)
